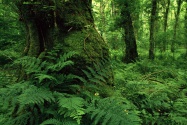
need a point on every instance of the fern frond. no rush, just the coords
(88, 75)
(20, 120)
(30, 64)
(42, 77)
(59, 65)
(92, 71)
(52, 122)
(109, 111)
(34, 95)
(67, 56)
(72, 107)
(98, 74)
(9, 95)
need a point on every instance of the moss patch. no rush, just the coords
(88, 44)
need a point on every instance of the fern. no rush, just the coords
(20, 120)
(62, 61)
(42, 77)
(68, 55)
(59, 66)
(35, 95)
(96, 80)
(109, 111)
(72, 107)
(99, 74)
(52, 122)
(30, 64)
(59, 122)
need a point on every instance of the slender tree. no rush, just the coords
(152, 29)
(185, 18)
(167, 6)
(131, 53)
(177, 14)
(103, 18)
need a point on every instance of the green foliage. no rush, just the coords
(157, 89)
(152, 93)
(51, 122)
(58, 122)
(110, 111)
(72, 107)
(10, 35)
(42, 96)
(146, 92)
(35, 95)
(26, 101)
(96, 79)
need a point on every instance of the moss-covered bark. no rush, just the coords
(152, 30)
(67, 23)
(131, 53)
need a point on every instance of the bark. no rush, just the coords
(131, 53)
(166, 25)
(152, 30)
(70, 24)
(185, 18)
(103, 19)
(177, 14)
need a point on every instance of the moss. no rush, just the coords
(34, 43)
(74, 31)
(88, 43)
(90, 46)
(75, 14)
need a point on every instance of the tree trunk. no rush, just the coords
(152, 30)
(179, 2)
(185, 18)
(70, 24)
(103, 19)
(131, 53)
(165, 25)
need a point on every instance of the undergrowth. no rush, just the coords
(45, 95)
(145, 92)
(157, 88)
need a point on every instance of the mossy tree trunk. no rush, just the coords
(69, 23)
(177, 15)
(185, 26)
(131, 53)
(152, 30)
(167, 4)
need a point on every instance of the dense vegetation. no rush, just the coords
(137, 78)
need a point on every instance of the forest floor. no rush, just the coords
(158, 88)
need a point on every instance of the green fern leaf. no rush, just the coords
(42, 77)
(34, 95)
(59, 66)
(87, 74)
(69, 121)
(72, 107)
(71, 103)
(81, 79)
(68, 55)
(109, 111)
(30, 64)
(20, 120)
(91, 70)
(52, 122)
(96, 81)
(99, 77)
